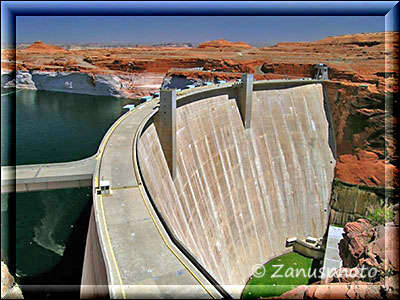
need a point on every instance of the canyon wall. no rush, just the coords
(363, 72)
(350, 202)
(117, 85)
(9, 288)
(364, 129)
(68, 82)
(363, 247)
(238, 194)
(81, 83)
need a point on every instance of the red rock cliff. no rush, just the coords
(363, 70)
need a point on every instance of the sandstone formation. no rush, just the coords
(39, 47)
(334, 291)
(222, 44)
(23, 80)
(9, 289)
(363, 70)
(351, 202)
(81, 83)
(362, 246)
(7, 76)
(373, 247)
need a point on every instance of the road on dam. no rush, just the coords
(141, 260)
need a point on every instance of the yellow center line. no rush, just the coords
(99, 156)
(153, 218)
(172, 250)
(123, 187)
(109, 244)
(114, 126)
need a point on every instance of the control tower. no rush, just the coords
(322, 72)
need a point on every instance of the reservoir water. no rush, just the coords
(50, 226)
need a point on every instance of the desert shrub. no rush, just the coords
(380, 214)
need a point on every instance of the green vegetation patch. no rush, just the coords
(380, 214)
(280, 275)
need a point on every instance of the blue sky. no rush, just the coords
(157, 29)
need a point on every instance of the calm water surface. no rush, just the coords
(57, 127)
(51, 226)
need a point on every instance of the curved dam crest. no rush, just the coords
(239, 193)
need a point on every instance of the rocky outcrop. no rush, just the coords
(370, 265)
(371, 247)
(81, 83)
(39, 46)
(222, 44)
(294, 69)
(364, 128)
(23, 80)
(69, 82)
(350, 202)
(179, 82)
(363, 69)
(180, 78)
(9, 289)
(334, 291)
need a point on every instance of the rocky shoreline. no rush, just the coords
(370, 270)
(9, 288)
(68, 82)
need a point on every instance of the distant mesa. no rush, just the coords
(39, 46)
(222, 43)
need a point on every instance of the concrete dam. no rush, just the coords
(191, 193)
(240, 190)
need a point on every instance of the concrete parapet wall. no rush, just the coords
(238, 194)
(94, 283)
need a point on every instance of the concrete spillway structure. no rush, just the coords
(239, 193)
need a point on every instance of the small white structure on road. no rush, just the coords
(128, 107)
(105, 187)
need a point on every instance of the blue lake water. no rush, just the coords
(50, 226)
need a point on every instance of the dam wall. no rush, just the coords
(239, 193)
